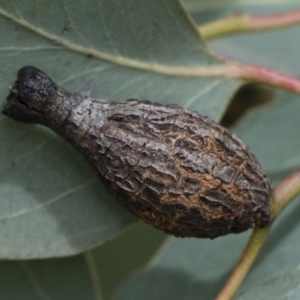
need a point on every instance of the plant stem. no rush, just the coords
(256, 241)
(282, 195)
(243, 23)
(265, 76)
(285, 192)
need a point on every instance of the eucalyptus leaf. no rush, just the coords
(185, 269)
(273, 135)
(285, 286)
(68, 278)
(52, 205)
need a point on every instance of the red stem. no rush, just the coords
(266, 76)
(273, 21)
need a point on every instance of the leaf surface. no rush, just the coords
(68, 278)
(52, 205)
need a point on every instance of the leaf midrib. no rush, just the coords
(220, 69)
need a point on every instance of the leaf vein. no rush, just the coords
(49, 202)
(217, 69)
(127, 84)
(202, 92)
(107, 33)
(89, 71)
(72, 23)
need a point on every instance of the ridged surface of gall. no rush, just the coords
(173, 168)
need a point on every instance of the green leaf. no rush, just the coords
(193, 269)
(51, 203)
(285, 286)
(185, 269)
(272, 133)
(68, 278)
(121, 256)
